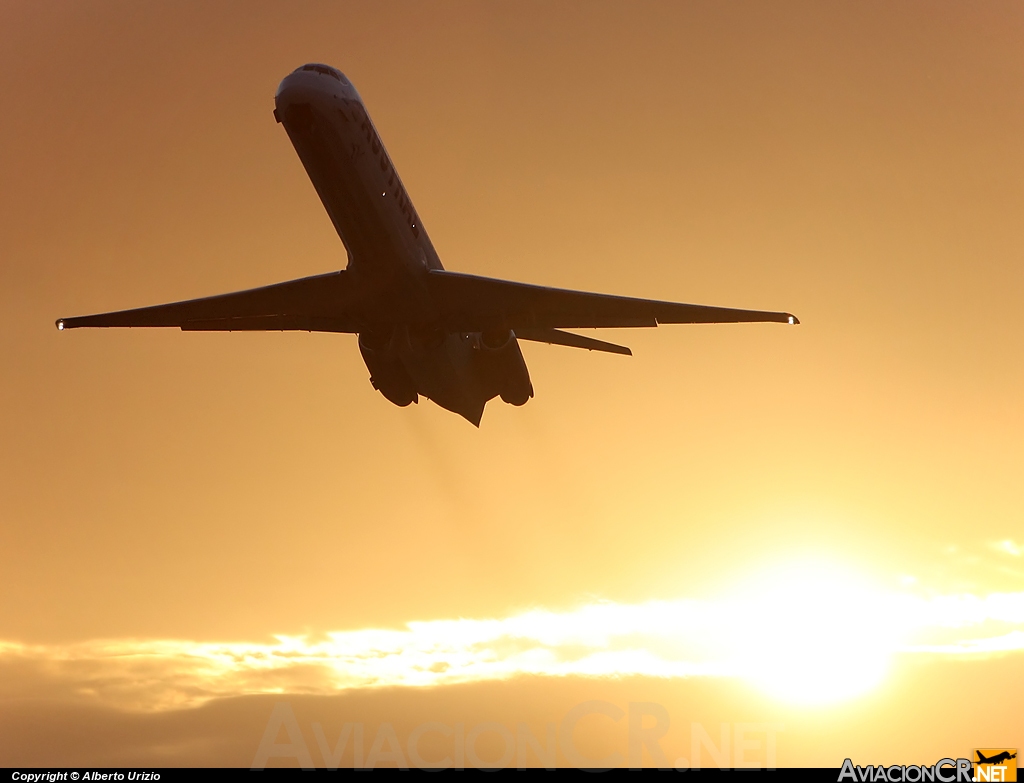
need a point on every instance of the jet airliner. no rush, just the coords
(422, 330)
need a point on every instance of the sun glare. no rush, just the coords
(810, 633)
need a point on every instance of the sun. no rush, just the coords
(812, 633)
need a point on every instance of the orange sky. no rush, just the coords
(859, 165)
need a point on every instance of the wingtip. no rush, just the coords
(793, 320)
(60, 324)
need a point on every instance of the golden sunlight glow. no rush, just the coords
(805, 634)
(1009, 547)
(817, 634)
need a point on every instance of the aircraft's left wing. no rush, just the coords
(316, 304)
(471, 303)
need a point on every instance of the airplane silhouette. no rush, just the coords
(996, 759)
(450, 337)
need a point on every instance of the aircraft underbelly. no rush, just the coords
(342, 154)
(358, 214)
(446, 374)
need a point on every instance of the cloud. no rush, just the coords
(1008, 547)
(1010, 642)
(823, 640)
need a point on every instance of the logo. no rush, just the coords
(944, 771)
(995, 764)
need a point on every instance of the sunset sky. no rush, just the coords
(817, 529)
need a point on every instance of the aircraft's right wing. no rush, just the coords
(470, 303)
(322, 303)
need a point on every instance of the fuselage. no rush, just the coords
(389, 255)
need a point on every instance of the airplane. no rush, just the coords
(422, 330)
(996, 759)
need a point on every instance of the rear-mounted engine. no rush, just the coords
(505, 367)
(387, 373)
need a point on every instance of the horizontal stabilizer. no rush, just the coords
(558, 337)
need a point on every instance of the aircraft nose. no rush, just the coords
(294, 88)
(310, 82)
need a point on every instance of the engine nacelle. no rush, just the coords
(505, 366)
(387, 373)
(496, 340)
